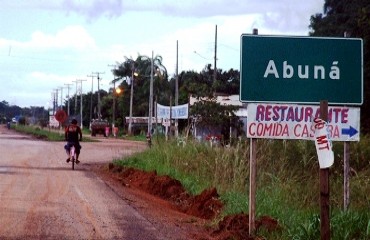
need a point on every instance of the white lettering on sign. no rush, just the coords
(292, 121)
(323, 143)
(303, 72)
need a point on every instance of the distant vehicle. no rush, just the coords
(98, 127)
(14, 120)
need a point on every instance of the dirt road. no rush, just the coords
(42, 198)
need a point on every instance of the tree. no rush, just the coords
(350, 17)
(190, 83)
(212, 116)
(195, 84)
(161, 87)
(203, 85)
(142, 66)
(227, 82)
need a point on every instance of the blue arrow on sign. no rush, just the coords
(349, 131)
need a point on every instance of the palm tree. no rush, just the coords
(126, 69)
(141, 70)
(155, 65)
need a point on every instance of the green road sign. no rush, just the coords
(301, 70)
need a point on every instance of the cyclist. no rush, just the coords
(73, 136)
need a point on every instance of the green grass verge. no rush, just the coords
(287, 178)
(45, 133)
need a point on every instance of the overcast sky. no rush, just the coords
(45, 44)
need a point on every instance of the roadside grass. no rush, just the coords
(141, 138)
(55, 135)
(287, 179)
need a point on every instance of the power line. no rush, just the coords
(79, 81)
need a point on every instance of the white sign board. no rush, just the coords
(292, 121)
(166, 122)
(323, 143)
(53, 122)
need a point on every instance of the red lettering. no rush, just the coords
(278, 130)
(336, 111)
(296, 130)
(268, 113)
(319, 124)
(323, 142)
(275, 111)
(344, 118)
(250, 130)
(283, 108)
(308, 114)
(334, 131)
(260, 113)
(285, 131)
(268, 129)
(260, 129)
(312, 131)
(290, 114)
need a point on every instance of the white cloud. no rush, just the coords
(44, 78)
(71, 37)
(75, 37)
(38, 87)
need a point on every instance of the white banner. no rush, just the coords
(323, 143)
(53, 122)
(178, 112)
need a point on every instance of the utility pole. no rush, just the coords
(131, 97)
(61, 97)
(91, 97)
(99, 106)
(80, 81)
(215, 68)
(56, 98)
(75, 112)
(151, 98)
(56, 102)
(54, 95)
(114, 98)
(177, 86)
(68, 87)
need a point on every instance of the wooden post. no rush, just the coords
(252, 185)
(346, 169)
(252, 179)
(324, 187)
(346, 177)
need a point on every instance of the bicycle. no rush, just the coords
(72, 156)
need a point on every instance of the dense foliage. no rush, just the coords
(348, 18)
(36, 115)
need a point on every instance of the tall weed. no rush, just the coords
(287, 182)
